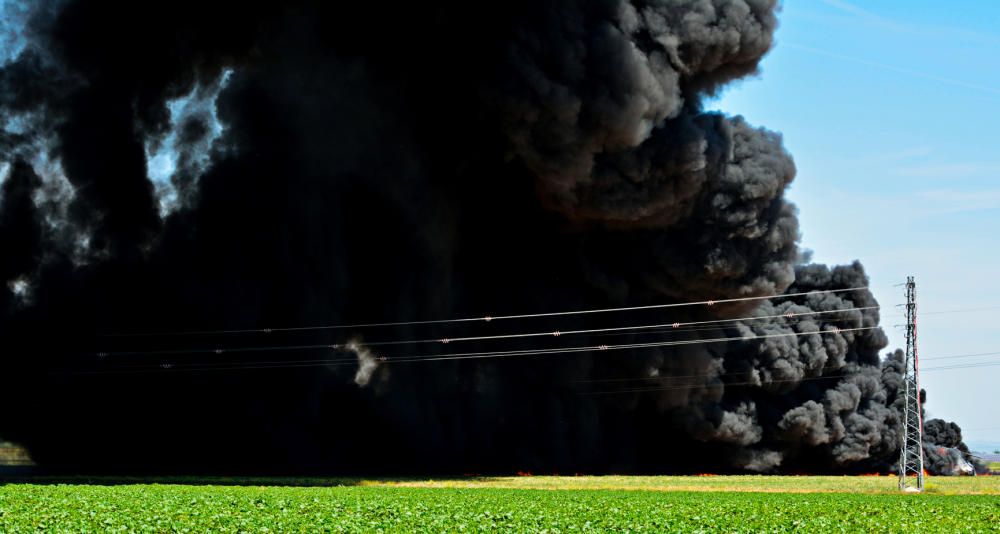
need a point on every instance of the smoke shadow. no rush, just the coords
(20, 476)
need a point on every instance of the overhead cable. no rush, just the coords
(487, 318)
(673, 326)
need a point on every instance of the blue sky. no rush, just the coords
(891, 111)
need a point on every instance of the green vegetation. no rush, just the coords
(373, 506)
(994, 466)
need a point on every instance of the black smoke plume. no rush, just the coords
(342, 163)
(944, 451)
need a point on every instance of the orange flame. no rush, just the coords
(524, 474)
(706, 475)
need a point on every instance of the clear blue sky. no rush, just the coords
(891, 111)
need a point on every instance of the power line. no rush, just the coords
(715, 327)
(535, 352)
(501, 354)
(670, 387)
(957, 366)
(671, 327)
(486, 318)
(683, 326)
(954, 356)
(489, 354)
(884, 66)
(961, 366)
(960, 310)
(353, 360)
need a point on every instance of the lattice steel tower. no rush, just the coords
(911, 453)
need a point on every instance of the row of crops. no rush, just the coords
(179, 508)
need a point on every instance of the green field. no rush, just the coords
(554, 504)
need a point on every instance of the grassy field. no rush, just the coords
(532, 504)
(983, 485)
(765, 484)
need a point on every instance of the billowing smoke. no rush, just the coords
(945, 453)
(332, 163)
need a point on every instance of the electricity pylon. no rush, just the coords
(911, 452)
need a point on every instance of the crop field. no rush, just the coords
(529, 504)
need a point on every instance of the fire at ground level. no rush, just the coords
(16, 464)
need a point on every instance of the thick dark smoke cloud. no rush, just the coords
(401, 162)
(944, 451)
